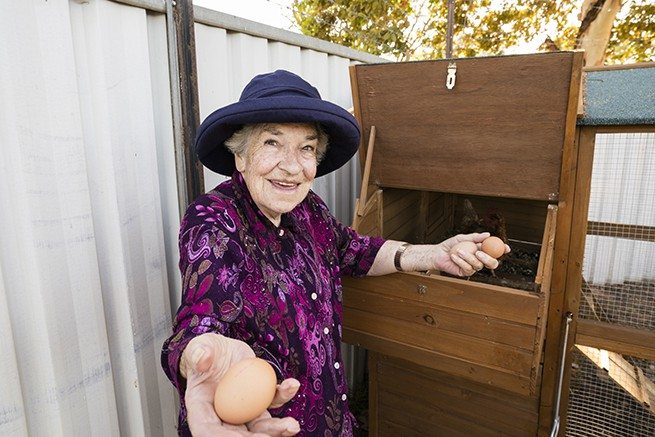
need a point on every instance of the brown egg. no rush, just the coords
(493, 246)
(464, 246)
(245, 392)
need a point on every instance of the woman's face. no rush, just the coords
(279, 166)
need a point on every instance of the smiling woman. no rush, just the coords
(262, 259)
(279, 166)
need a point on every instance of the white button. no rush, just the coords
(281, 232)
(314, 296)
(336, 365)
(344, 397)
(326, 331)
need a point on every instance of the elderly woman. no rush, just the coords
(262, 259)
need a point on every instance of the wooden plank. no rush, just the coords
(409, 104)
(565, 287)
(548, 254)
(400, 214)
(625, 340)
(624, 374)
(357, 112)
(367, 170)
(405, 232)
(433, 319)
(471, 407)
(647, 388)
(373, 398)
(392, 429)
(400, 203)
(395, 423)
(496, 377)
(547, 244)
(422, 228)
(473, 297)
(618, 230)
(464, 388)
(370, 223)
(459, 346)
(440, 217)
(422, 420)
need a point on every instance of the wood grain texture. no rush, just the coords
(373, 398)
(621, 339)
(474, 330)
(419, 401)
(493, 376)
(499, 132)
(458, 294)
(433, 320)
(504, 137)
(453, 344)
(560, 285)
(370, 222)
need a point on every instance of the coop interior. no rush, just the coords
(423, 217)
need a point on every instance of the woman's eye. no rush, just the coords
(270, 142)
(309, 148)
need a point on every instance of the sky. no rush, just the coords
(275, 13)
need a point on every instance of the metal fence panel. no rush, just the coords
(88, 201)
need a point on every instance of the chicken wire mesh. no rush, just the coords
(600, 405)
(609, 392)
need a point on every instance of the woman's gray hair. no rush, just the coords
(239, 141)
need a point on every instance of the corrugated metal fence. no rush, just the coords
(88, 203)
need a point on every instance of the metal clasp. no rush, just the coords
(452, 73)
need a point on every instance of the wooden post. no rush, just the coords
(569, 246)
(360, 203)
(184, 91)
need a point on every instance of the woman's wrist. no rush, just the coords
(416, 258)
(397, 259)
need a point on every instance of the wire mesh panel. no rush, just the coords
(602, 405)
(610, 393)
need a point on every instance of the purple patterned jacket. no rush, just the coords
(277, 289)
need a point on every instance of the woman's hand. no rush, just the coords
(204, 362)
(462, 263)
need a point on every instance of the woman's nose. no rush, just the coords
(290, 162)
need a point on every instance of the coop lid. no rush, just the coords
(498, 131)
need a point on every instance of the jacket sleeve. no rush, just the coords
(210, 262)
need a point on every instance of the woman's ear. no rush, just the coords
(240, 162)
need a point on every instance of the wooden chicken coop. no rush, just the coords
(467, 145)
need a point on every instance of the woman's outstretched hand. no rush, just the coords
(462, 263)
(204, 362)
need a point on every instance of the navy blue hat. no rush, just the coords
(278, 97)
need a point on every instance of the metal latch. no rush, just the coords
(452, 72)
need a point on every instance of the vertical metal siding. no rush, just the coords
(621, 192)
(89, 209)
(83, 259)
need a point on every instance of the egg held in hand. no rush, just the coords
(245, 392)
(493, 246)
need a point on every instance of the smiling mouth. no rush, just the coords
(286, 186)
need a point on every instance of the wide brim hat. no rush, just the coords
(278, 97)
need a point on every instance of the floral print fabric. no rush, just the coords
(277, 289)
